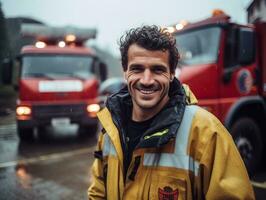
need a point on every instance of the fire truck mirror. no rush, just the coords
(99, 68)
(246, 46)
(103, 71)
(6, 74)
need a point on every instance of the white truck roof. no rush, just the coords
(50, 32)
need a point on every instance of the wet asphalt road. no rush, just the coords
(57, 168)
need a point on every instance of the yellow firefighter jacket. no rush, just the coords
(190, 156)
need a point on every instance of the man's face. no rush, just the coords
(148, 77)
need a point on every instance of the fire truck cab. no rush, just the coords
(224, 63)
(58, 81)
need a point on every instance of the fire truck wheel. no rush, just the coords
(86, 131)
(247, 137)
(25, 134)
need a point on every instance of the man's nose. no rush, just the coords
(147, 78)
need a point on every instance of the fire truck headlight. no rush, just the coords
(61, 44)
(179, 27)
(40, 44)
(23, 110)
(70, 38)
(93, 109)
(170, 29)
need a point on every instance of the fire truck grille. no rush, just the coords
(49, 111)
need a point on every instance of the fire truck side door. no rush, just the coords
(239, 72)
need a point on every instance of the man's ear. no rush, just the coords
(125, 75)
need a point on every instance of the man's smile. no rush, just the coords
(147, 90)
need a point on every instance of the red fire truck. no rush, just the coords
(224, 63)
(58, 80)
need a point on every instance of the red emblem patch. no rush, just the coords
(167, 193)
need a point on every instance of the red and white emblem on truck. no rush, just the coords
(244, 81)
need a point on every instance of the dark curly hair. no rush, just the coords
(151, 38)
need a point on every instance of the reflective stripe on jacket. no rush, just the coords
(201, 162)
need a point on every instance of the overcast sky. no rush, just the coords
(113, 17)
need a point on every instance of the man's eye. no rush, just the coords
(159, 71)
(135, 69)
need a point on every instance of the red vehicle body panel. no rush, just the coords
(31, 95)
(261, 41)
(206, 80)
(203, 80)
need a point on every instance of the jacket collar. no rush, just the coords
(165, 123)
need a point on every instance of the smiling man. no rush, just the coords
(155, 142)
(148, 76)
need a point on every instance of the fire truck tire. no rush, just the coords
(247, 136)
(86, 131)
(25, 134)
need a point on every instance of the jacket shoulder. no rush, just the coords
(190, 97)
(205, 129)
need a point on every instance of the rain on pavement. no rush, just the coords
(57, 168)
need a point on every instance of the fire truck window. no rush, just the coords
(57, 66)
(199, 46)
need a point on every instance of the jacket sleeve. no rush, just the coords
(224, 175)
(97, 187)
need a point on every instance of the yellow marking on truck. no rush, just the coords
(54, 156)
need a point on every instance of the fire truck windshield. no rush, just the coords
(198, 46)
(56, 66)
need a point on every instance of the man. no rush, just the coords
(155, 143)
